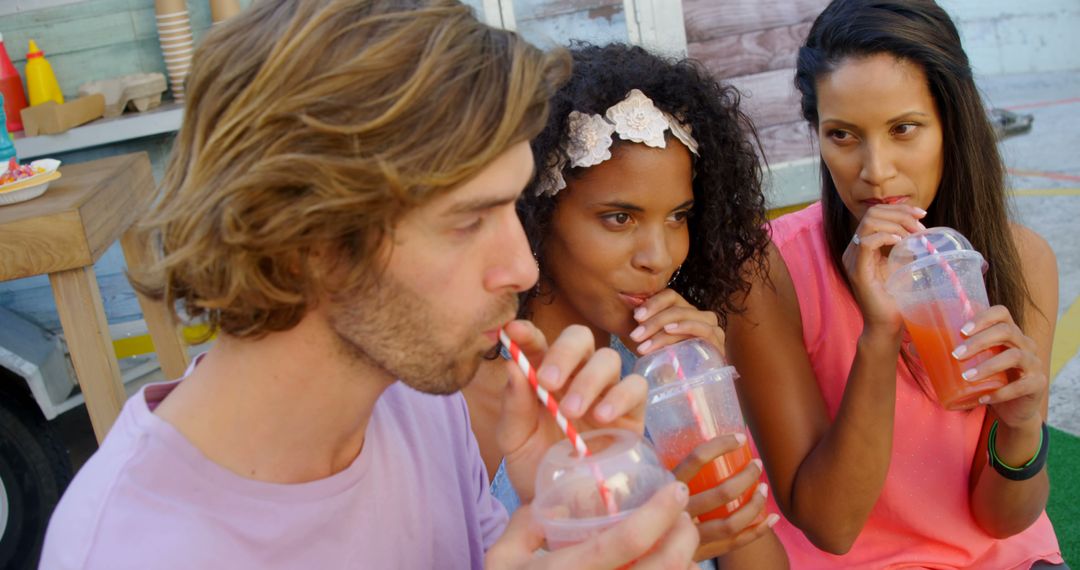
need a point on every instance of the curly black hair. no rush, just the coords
(727, 235)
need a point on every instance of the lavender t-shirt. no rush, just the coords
(415, 497)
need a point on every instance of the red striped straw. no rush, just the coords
(545, 397)
(553, 406)
(969, 311)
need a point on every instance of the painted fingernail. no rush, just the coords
(969, 374)
(896, 237)
(670, 327)
(682, 493)
(763, 489)
(771, 520)
(757, 462)
(548, 375)
(572, 404)
(967, 328)
(604, 412)
(960, 351)
(637, 333)
(644, 346)
(919, 211)
(640, 312)
(740, 438)
(984, 400)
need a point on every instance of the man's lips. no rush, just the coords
(887, 200)
(492, 334)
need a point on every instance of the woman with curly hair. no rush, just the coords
(646, 218)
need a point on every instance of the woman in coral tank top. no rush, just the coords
(869, 471)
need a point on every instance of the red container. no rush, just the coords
(11, 86)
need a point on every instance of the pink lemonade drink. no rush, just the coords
(935, 331)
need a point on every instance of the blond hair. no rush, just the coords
(315, 123)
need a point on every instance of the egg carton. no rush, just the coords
(140, 91)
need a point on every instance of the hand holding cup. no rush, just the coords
(585, 381)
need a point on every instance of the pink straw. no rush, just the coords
(553, 406)
(690, 398)
(969, 311)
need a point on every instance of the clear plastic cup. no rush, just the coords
(937, 281)
(579, 497)
(692, 399)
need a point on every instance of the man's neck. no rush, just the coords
(288, 408)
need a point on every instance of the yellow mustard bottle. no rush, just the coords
(41, 83)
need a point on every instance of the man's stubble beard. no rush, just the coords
(389, 327)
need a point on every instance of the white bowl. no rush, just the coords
(32, 187)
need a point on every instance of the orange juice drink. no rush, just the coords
(935, 331)
(712, 474)
(937, 282)
(692, 399)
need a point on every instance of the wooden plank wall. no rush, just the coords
(752, 44)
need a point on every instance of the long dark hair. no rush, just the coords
(971, 196)
(727, 236)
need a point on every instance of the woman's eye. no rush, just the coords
(620, 218)
(681, 216)
(904, 129)
(839, 136)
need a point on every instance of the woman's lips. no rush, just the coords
(889, 200)
(635, 300)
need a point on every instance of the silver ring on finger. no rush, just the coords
(855, 239)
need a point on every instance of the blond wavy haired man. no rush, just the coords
(339, 207)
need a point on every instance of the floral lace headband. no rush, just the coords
(635, 118)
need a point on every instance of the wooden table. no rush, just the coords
(62, 233)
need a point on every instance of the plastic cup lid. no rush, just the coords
(664, 392)
(932, 246)
(679, 362)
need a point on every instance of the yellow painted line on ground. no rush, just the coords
(1066, 338)
(777, 212)
(142, 344)
(1046, 192)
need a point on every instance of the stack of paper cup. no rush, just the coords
(223, 9)
(177, 43)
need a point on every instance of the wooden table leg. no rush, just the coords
(82, 316)
(164, 330)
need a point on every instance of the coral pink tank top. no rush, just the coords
(922, 518)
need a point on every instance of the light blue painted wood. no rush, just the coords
(64, 36)
(96, 39)
(598, 26)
